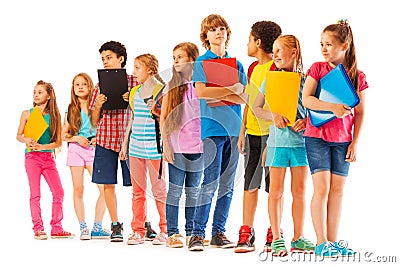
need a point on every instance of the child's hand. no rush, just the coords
(351, 152)
(29, 141)
(237, 88)
(299, 125)
(35, 146)
(341, 110)
(81, 140)
(241, 145)
(280, 121)
(264, 157)
(122, 153)
(150, 104)
(168, 153)
(126, 96)
(93, 142)
(100, 99)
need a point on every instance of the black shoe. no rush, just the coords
(246, 240)
(219, 240)
(196, 243)
(150, 233)
(116, 232)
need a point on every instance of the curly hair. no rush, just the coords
(267, 32)
(117, 48)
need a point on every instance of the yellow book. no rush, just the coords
(36, 125)
(282, 93)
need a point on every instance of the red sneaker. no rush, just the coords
(269, 239)
(246, 240)
(40, 235)
(62, 234)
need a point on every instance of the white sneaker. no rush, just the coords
(160, 239)
(85, 234)
(135, 239)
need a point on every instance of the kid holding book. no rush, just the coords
(333, 146)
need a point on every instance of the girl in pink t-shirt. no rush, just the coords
(332, 146)
(182, 145)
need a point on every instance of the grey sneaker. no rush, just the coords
(85, 235)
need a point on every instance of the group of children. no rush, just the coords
(201, 143)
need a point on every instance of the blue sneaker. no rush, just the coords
(102, 234)
(327, 250)
(343, 249)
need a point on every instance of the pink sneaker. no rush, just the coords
(160, 239)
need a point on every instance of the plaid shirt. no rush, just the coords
(112, 124)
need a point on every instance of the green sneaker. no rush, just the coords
(278, 248)
(302, 245)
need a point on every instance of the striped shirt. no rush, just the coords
(112, 124)
(142, 142)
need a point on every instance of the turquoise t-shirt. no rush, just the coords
(220, 120)
(286, 137)
(86, 129)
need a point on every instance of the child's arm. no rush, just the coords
(124, 146)
(100, 99)
(203, 91)
(311, 102)
(258, 108)
(168, 153)
(358, 122)
(241, 145)
(242, 98)
(22, 121)
(65, 136)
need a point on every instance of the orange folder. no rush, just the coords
(36, 125)
(282, 93)
(220, 72)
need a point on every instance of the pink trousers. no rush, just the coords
(139, 170)
(36, 165)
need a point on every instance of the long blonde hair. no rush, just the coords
(52, 108)
(177, 89)
(74, 108)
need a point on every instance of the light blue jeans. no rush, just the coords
(220, 159)
(187, 169)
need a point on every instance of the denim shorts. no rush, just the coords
(327, 156)
(105, 167)
(284, 157)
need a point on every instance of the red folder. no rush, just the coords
(220, 72)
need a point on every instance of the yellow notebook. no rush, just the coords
(36, 125)
(282, 93)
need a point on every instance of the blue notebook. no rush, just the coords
(334, 87)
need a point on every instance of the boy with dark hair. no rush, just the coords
(254, 132)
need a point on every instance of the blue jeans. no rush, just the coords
(220, 158)
(187, 169)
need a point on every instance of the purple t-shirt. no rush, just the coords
(338, 129)
(187, 139)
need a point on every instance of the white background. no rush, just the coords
(54, 40)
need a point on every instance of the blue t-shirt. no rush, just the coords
(220, 120)
(286, 137)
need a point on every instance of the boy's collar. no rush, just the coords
(211, 54)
